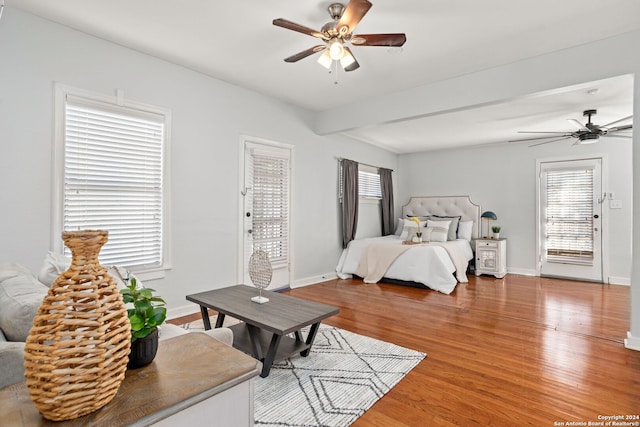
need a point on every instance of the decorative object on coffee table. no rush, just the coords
(260, 272)
(76, 351)
(147, 313)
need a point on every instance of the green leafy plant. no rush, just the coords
(496, 228)
(148, 311)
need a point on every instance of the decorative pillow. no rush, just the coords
(465, 229)
(54, 264)
(437, 231)
(453, 225)
(410, 229)
(20, 297)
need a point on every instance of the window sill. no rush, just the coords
(151, 274)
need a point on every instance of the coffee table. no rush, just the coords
(265, 326)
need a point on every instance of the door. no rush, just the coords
(570, 215)
(266, 208)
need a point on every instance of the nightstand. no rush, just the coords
(491, 257)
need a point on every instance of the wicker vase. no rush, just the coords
(77, 350)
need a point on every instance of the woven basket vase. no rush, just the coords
(77, 351)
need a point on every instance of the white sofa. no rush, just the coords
(21, 294)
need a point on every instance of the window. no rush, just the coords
(569, 215)
(112, 169)
(369, 183)
(270, 203)
(369, 188)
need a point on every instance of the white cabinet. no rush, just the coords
(491, 257)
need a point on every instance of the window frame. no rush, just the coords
(61, 92)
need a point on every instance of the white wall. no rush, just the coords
(208, 118)
(502, 179)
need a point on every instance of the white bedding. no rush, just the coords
(426, 264)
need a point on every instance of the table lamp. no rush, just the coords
(489, 216)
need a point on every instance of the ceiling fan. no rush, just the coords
(337, 33)
(587, 133)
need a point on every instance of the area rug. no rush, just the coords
(343, 376)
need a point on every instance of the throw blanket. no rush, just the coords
(378, 257)
(376, 260)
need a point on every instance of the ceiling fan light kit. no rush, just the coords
(338, 33)
(588, 133)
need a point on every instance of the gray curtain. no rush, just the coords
(386, 204)
(349, 201)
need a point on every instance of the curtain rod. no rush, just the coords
(365, 164)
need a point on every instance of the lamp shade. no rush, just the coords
(489, 215)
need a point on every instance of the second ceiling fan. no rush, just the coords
(587, 133)
(337, 33)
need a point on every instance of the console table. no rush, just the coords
(193, 379)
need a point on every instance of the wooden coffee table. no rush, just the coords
(265, 326)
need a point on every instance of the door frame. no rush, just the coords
(604, 213)
(244, 139)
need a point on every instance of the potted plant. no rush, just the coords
(496, 231)
(146, 312)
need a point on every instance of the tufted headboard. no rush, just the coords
(445, 206)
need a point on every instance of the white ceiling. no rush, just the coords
(236, 42)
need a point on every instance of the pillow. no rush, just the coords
(437, 231)
(410, 228)
(20, 297)
(465, 229)
(54, 265)
(453, 226)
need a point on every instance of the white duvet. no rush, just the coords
(427, 264)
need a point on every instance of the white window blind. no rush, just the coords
(569, 216)
(369, 185)
(113, 179)
(270, 178)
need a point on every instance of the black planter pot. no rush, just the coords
(143, 350)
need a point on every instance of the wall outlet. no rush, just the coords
(615, 204)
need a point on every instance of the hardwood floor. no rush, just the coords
(500, 352)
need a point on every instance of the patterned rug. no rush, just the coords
(343, 376)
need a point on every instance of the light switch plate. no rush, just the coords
(615, 204)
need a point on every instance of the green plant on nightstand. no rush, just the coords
(496, 231)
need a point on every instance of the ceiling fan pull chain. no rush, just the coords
(335, 79)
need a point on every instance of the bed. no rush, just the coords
(435, 265)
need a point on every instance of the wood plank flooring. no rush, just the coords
(500, 352)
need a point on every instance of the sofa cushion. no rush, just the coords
(12, 362)
(54, 264)
(20, 297)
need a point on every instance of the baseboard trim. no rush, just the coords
(314, 279)
(631, 342)
(619, 281)
(183, 310)
(521, 271)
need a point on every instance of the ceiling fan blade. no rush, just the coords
(353, 13)
(349, 60)
(533, 131)
(620, 128)
(393, 40)
(301, 55)
(564, 135)
(617, 121)
(617, 136)
(579, 125)
(284, 23)
(547, 142)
